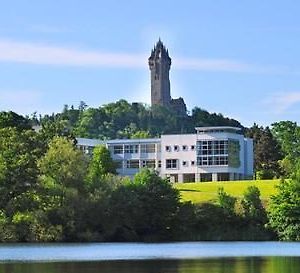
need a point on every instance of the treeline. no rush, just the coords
(130, 120)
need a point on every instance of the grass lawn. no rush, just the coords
(207, 191)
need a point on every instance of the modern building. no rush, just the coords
(211, 154)
(160, 64)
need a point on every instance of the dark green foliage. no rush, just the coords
(11, 119)
(284, 210)
(19, 152)
(226, 201)
(267, 152)
(124, 120)
(144, 209)
(287, 133)
(253, 208)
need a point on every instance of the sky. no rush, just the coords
(238, 58)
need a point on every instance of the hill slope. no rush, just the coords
(207, 192)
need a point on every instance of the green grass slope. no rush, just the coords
(207, 191)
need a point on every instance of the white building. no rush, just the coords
(212, 154)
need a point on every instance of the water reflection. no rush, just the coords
(221, 265)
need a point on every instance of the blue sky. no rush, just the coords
(238, 58)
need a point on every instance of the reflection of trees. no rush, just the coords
(224, 265)
(216, 265)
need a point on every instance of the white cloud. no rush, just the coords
(44, 54)
(37, 53)
(281, 102)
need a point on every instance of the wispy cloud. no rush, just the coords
(281, 102)
(33, 53)
(37, 53)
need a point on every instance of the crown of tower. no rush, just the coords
(159, 51)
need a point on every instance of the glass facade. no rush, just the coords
(212, 152)
(218, 153)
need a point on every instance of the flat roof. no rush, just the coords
(94, 142)
(210, 128)
(133, 140)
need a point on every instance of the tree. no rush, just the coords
(101, 164)
(63, 164)
(12, 119)
(253, 208)
(144, 209)
(19, 152)
(226, 201)
(140, 134)
(284, 210)
(267, 152)
(287, 134)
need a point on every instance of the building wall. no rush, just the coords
(175, 156)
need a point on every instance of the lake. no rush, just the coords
(196, 257)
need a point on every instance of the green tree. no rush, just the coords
(63, 164)
(287, 134)
(19, 152)
(226, 201)
(144, 209)
(253, 208)
(12, 119)
(284, 209)
(267, 152)
(100, 164)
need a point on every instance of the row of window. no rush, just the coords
(174, 163)
(136, 164)
(134, 148)
(151, 163)
(212, 160)
(176, 148)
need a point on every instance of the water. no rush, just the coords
(239, 257)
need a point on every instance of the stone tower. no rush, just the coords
(159, 64)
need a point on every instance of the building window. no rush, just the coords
(168, 148)
(147, 148)
(148, 163)
(184, 148)
(192, 147)
(176, 148)
(159, 163)
(192, 163)
(118, 149)
(132, 164)
(171, 163)
(131, 149)
(184, 163)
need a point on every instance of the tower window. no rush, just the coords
(176, 148)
